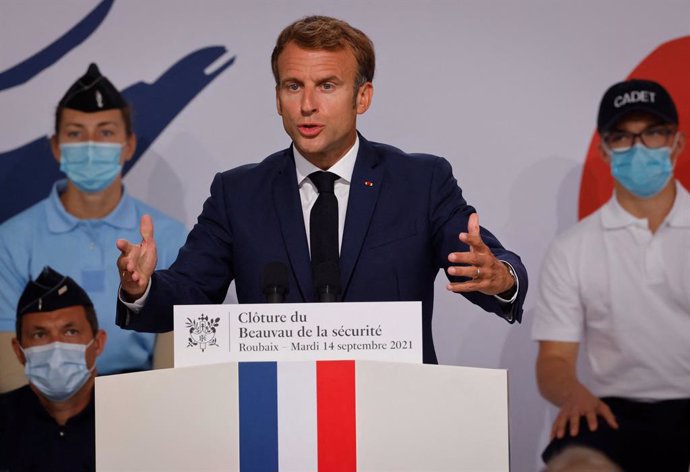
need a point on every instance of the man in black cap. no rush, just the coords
(617, 282)
(74, 229)
(48, 425)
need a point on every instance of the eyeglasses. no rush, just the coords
(652, 138)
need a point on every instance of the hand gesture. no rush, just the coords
(579, 403)
(487, 274)
(137, 261)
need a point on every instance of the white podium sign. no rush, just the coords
(383, 331)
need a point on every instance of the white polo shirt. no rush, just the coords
(624, 294)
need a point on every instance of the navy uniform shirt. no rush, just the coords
(31, 440)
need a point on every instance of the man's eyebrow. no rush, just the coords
(99, 124)
(616, 129)
(332, 78)
(660, 123)
(34, 329)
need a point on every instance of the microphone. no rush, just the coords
(327, 281)
(275, 282)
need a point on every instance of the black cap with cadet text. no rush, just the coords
(92, 92)
(635, 95)
(49, 292)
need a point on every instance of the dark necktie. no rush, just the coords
(323, 231)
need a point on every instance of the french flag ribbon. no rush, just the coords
(314, 399)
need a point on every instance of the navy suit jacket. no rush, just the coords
(404, 214)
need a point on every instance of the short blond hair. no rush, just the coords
(581, 459)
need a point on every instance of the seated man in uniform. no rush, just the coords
(48, 425)
(617, 283)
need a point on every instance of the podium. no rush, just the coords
(325, 416)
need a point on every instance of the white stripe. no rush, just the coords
(297, 442)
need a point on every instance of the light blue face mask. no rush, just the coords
(57, 369)
(643, 171)
(91, 166)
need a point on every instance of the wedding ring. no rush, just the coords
(478, 272)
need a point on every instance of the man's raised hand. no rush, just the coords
(487, 274)
(137, 261)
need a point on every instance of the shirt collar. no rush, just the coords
(343, 168)
(124, 215)
(614, 216)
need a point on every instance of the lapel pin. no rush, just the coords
(368, 183)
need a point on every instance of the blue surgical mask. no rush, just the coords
(643, 171)
(91, 166)
(57, 369)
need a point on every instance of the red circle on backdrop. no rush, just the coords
(668, 64)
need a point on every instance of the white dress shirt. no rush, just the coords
(307, 190)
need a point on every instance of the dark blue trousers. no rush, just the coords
(652, 436)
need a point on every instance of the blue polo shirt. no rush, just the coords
(45, 234)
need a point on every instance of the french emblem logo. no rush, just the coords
(202, 332)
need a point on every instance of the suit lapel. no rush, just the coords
(367, 179)
(289, 209)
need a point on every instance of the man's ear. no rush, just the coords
(603, 154)
(18, 351)
(129, 148)
(680, 145)
(278, 107)
(55, 147)
(99, 341)
(365, 94)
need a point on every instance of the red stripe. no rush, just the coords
(335, 413)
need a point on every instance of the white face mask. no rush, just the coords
(57, 369)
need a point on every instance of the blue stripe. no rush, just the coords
(258, 384)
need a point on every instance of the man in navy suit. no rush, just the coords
(401, 217)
